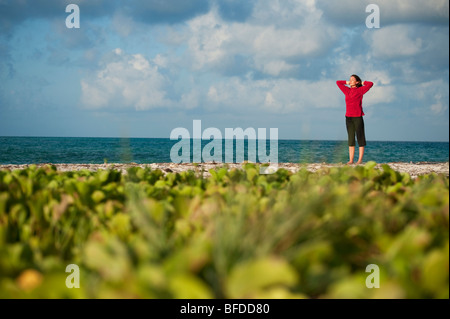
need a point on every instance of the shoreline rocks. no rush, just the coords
(413, 169)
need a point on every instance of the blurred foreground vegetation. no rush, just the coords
(236, 234)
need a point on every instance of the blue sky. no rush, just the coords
(143, 68)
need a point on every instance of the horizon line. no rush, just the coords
(168, 138)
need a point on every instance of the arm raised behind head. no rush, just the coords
(366, 86)
(341, 85)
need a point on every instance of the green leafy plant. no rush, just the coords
(236, 234)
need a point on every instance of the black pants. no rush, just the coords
(355, 125)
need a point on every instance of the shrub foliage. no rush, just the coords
(235, 234)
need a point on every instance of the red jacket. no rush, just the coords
(353, 98)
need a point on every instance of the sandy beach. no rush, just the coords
(413, 169)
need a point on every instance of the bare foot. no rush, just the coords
(358, 162)
(350, 163)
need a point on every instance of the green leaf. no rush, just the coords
(185, 286)
(435, 271)
(252, 276)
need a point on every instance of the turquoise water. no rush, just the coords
(27, 150)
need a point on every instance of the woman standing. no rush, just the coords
(354, 113)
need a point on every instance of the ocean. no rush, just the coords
(93, 150)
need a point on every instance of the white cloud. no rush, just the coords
(278, 47)
(161, 61)
(190, 100)
(350, 12)
(282, 96)
(365, 66)
(207, 40)
(123, 24)
(286, 13)
(287, 43)
(437, 108)
(431, 11)
(394, 42)
(433, 96)
(275, 67)
(379, 95)
(273, 49)
(125, 81)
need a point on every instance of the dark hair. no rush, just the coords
(358, 79)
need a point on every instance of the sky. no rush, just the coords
(144, 68)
